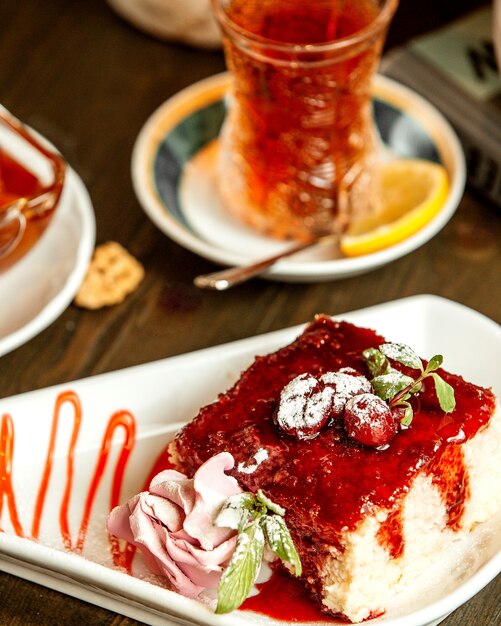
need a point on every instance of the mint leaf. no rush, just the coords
(396, 388)
(434, 363)
(242, 570)
(280, 541)
(387, 386)
(445, 394)
(272, 506)
(236, 511)
(376, 362)
(402, 353)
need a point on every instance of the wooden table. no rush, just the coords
(87, 81)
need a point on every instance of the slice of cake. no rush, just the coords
(366, 516)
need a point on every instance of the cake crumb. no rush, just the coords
(112, 275)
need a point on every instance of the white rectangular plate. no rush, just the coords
(162, 396)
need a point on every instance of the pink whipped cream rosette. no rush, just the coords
(172, 524)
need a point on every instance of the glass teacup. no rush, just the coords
(298, 151)
(27, 199)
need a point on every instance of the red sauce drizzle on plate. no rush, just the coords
(120, 419)
(73, 399)
(6, 488)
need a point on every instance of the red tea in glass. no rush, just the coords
(298, 149)
(26, 203)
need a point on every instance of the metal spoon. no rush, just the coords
(224, 279)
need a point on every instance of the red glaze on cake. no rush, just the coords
(330, 484)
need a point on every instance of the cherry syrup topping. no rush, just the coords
(301, 475)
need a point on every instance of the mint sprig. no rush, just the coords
(397, 388)
(242, 569)
(259, 521)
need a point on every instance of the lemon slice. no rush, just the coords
(412, 192)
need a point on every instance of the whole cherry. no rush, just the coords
(303, 407)
(369, 420)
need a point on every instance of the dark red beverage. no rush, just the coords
(17, 182)
(297, 148)
(26, 203)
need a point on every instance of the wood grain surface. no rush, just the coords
(87, 81)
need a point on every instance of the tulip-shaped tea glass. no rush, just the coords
(297, 149)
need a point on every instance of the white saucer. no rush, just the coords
(39, 287)
(176, 182)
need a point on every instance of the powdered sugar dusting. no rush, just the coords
(346, 383)
(367, 407)
(260, 456)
